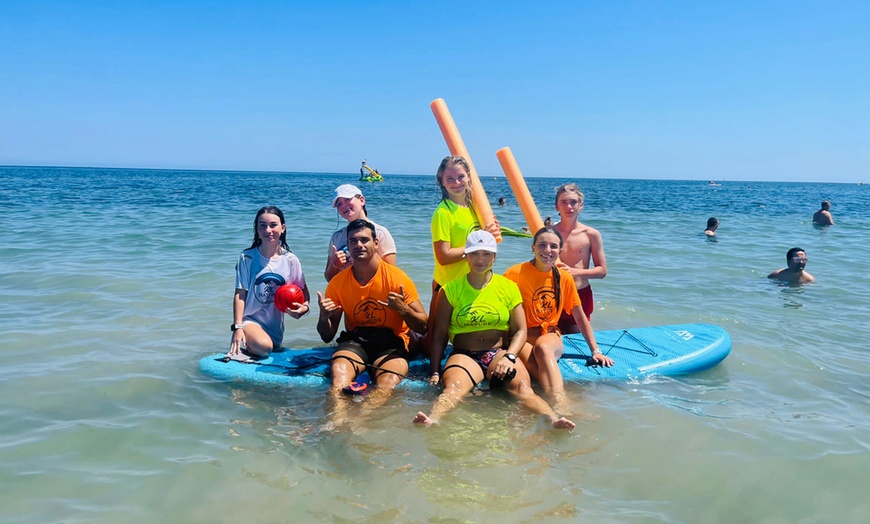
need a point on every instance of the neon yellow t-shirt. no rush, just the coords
(481, 309)
(451, 223)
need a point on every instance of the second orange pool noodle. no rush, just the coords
(521, 190)
(457, 148)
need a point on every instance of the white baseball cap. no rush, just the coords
(345, 191)
(480, 240)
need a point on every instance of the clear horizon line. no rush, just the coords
(718, 181)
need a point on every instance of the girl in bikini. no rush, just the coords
(483, 315)
(547, 292)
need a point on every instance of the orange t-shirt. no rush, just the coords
(539, 297)
(360, 302)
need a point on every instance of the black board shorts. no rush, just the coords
(371, 343)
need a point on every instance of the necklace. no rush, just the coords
(485, 282)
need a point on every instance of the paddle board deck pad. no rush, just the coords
(637, 352)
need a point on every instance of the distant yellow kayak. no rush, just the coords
(372, 176)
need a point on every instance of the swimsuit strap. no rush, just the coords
(352, 361)
(473, 382)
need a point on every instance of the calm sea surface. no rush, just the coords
(113, 283)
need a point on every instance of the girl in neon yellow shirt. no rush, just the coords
(483, 314)
(453, 220)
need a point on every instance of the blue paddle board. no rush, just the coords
(637, 352)
(659, 350)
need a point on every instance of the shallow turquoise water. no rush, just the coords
(115, 282)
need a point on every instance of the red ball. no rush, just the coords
(286, 295)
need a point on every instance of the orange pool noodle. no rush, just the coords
(520, 189)
(457, 148)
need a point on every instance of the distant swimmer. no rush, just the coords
(796, 258)
(823, 216)
(502, 201)
(548, 222)
(712, 226)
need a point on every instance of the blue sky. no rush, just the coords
(648, 89)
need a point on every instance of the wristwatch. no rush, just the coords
(511, 357)
(234, 327)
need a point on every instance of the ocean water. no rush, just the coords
(113, 283)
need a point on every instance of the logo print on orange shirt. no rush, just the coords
(544, 304)
(369, 312)
(478, 315)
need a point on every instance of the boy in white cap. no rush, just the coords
(350, 203)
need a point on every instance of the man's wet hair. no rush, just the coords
(792, 252)
(358, 224)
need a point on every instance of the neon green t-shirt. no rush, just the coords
(481, 309)
(451, 223)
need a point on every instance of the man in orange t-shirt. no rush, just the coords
(381, 306)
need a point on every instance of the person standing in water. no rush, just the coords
(350, 203)
(712, 226)
(823, 217)
(454, 219)
(582, 253)
(258, 326)
(796, 260)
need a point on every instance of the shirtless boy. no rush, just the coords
(582, 253)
